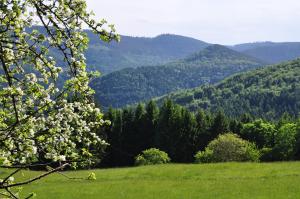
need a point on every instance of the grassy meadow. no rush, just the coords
(175, 181)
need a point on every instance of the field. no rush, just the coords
(176, 181)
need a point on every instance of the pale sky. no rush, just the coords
(214, 21)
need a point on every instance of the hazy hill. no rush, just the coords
(210, 65)
(266, 92)
(271, 52)
(132, 52)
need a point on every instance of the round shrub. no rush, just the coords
(228, 148)
(152, 156)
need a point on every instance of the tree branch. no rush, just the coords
(5, 186)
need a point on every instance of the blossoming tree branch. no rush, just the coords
(43, 122)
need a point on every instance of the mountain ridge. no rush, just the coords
(129, 86)
(265, 92)
(134, 52)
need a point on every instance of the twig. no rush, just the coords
(11, 193)
(31, 195)
(13, 173)
(25, 166)
(70, 178)
(34, 179)
(3, 194)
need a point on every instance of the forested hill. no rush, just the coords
(271, 52)
(132, 52)
(210, 65)
(266, 92)
(217, 52)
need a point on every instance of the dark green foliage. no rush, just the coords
(182, 133)
(227, 148)
(203, 137)
(219, 125)
(150, 125)
(297, 148)
(210, 65)
(114, 138)
(259, 131)
(130, 136)
(151, 157)
(177, 132)
(267, 93)
(285, 142)
(168, 128)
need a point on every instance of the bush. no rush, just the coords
(227, 148)
(204, 156)
(260, 132)
(285, 142)
(152, 156)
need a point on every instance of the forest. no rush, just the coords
(133, 85)
(267, 92)
(182, 133)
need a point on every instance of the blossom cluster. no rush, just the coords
(47, 111)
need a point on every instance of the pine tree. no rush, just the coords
(114, 135)
(128, 142)
(151, 120)
(186, 140)
(219, 125)
(203, 127)
(139, 138)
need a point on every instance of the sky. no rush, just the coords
(215, 21)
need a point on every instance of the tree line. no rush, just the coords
(182, 133)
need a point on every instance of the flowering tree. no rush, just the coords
(41, 122)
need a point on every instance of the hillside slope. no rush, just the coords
(210, 65)
(132, 52)
(266, 92)
(271, 52)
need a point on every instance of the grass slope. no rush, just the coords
(229, 180)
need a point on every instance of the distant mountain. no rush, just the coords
(270, 52)
(248, 46)
(217, 52)
(210, 65)
(266, 92)
(132, 52)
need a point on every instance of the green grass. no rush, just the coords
(176, 181)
